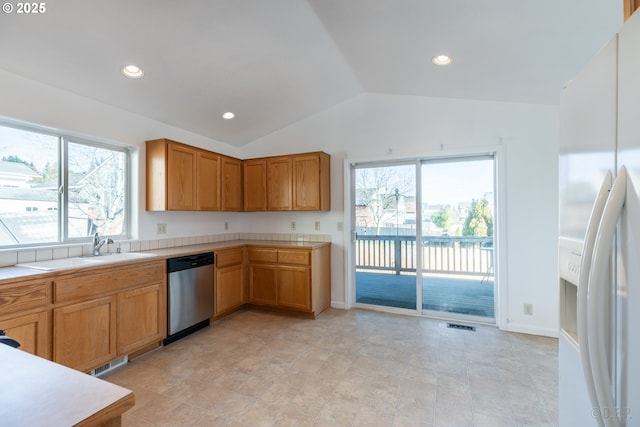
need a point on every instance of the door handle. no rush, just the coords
(598, 292)
(583, 286)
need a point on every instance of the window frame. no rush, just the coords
(64, 139)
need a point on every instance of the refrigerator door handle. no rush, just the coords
(597, 294)
(583, 286)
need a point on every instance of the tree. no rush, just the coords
(376, 192)
(16, 159)
(96, 190)
(479, 222)
(443, 217)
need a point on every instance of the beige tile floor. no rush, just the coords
(346, 368)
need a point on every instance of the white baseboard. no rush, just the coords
(532, 330)
(340, 305)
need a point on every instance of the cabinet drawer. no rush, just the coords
(224, 259)
(22, 297)
(108, 281)
(293, 257)
(263, 255)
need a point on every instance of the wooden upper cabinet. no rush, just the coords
(311, 182)
(181, 177)
(630, 6)
(185, 178)
(255, 185)
(208, 181)
(231, 184)
(298, 182)
(279, 183)
(171, 176)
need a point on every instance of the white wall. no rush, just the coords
(369, 126)
(29, 101)
(365, 127)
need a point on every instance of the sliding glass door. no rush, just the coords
(457, 236)
(423, 235)
(385, 230)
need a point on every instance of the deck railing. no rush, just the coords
(442, 254)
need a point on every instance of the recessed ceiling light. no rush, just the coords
(441, 60)
(132, 71)
(228, 115)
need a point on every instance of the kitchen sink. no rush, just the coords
(123, 256)
(84, 261)
(60, 264)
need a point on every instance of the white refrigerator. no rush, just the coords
(599, 243)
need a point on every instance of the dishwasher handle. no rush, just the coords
(188, 262)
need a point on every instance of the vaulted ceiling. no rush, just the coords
(274, 62)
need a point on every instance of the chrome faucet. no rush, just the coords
(97, 244)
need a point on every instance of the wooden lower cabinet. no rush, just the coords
(105, 314)
(294, 287)
(31, 331)
(291, 279)
(140, 318)
(229, 292)
(24, 315)
(229, 283)
(84, 334)
(262, 284)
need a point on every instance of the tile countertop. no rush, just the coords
(16, 273)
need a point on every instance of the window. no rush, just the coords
(55, 188)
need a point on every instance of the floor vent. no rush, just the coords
(109, 366)
(459, 326)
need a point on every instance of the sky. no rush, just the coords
(29, 146)
(454, 182)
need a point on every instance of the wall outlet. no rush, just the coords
(528, 309)
(293, 225)
(340, 226)
(317, 225)
(226, 225)
(161, 229)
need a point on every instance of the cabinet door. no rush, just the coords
(293, 287)
(279, 183)
(231, 184)
(255, 185)
(208, 182)
(262, 284)
(306, 183)
(84, 334)
(229, 282)
(31, 332)
(141, 315)
(311, 182)
(630, 6)
(181, 195)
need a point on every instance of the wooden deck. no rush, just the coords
(470, 296)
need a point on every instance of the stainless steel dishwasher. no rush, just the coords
(190, 294)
